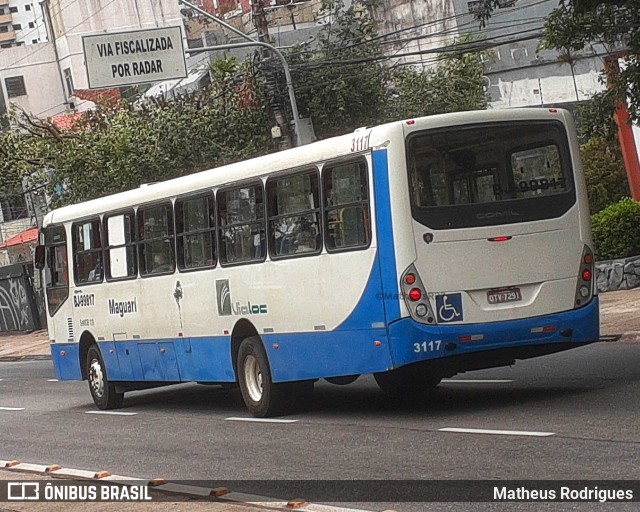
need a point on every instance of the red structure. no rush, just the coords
(625, 132)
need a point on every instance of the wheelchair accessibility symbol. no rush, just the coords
(449, 307)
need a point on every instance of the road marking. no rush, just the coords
(52, 380)
(11, 408)
(496, 432)
(261, 420)
(112, 413)
(477, 381)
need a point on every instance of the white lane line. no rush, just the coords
(261, 420)
(112, 413)
(477, 381)
(52, 380)
(496, 432)
(11, 408)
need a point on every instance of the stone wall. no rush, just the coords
(621, 274)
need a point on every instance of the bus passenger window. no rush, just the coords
(294, 215)
(155, 243)
(87, 251)
(120, 254)
(241, 224)
(195, 228)
(347, 220)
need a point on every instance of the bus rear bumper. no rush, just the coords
(412, 342)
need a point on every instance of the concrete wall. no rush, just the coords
(36, 63)
(72, 19)
(26, 34)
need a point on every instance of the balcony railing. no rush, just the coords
(6, 37)
(5, 18)
(4, 3)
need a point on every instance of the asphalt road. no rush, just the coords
(576, 412)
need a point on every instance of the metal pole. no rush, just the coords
(253, 42)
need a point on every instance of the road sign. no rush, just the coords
(128, 58)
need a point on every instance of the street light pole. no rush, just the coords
(252, 42)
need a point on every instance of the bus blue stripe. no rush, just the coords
(384, 222)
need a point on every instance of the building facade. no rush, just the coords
(21, 23)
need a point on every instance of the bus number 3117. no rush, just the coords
(427, 346)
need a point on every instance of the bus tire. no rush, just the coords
(262, 397)
(102, 391)
(407, 383)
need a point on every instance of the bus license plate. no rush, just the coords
(504, 295)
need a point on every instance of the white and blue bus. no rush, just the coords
(412, 251)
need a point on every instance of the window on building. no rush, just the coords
(346, 203)
(6, 45)
(87, 252)
(120, 253)
(196, 231)
(32, 24)
(294, 215)
(68, 80)
(15, 86)
(13, 9)
(13, 207)
(1, 10)
(4, 28)
(34, 41)
(155, 239)
(17, 26)
(241, 224)
(27, 7)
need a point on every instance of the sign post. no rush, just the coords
(129, 58)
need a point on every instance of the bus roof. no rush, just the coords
(327, 149)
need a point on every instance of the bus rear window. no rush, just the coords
(489, 174)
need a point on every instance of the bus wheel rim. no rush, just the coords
(96, 378)
(253, 378)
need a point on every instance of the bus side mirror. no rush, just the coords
(38, 260)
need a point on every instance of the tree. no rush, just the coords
(111, 150)
(346, 82)
(341, 83)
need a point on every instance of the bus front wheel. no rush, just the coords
(262, 397)
(407, 383)
(102, 391)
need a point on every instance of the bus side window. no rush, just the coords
(87, 251)
(195, 229)
(294, 215)
(57, 268)
(241, 224)
(347, 219)
(120, 253)
(156, 242)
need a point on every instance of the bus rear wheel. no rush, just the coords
(407, 383)
(102, 391)
(262, 397)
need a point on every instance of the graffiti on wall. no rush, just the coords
(18, 311)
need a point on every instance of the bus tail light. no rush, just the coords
(585, 286)
(415, 297)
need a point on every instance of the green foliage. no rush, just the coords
(118, 149)
(456, 84)
(341, 84)
(605, 173)
(345, 83)
(575, 24)
(616, 230)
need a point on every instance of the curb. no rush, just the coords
(218, 494)
(630, 336)
(14, 359)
